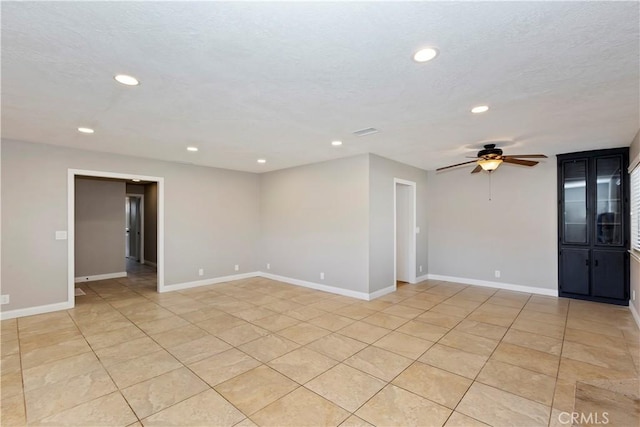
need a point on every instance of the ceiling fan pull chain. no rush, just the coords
(490, 186)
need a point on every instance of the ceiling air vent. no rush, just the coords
(365, 132)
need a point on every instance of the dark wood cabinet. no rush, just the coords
(593, 225)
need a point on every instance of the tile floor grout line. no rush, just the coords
(109, 374)
(24, 393)
(118, 389)
(82, 403)
(564, 333)
(485, 364)
(337, 364)
(210, 387)
(388, 383)
(414, 361)
(399, 300)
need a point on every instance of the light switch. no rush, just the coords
(417, 230)
(61, 235)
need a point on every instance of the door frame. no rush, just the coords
(413, 240)
(141, 197)
(71, 205)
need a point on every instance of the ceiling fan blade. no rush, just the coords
(453, 166)
(527, 156)
(519, 162)
(477, 169)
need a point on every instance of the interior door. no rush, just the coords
(127, 227)
(404, 228)
(133, 222)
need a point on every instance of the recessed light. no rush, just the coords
(127, 80)
(336, 143)
(480, 109)
(135, 180)
(262, 161)
(426, 54)
(194, 149)
(85, 130)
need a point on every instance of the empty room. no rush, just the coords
(316, 214)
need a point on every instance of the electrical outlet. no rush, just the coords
(237, 267)
(497, 273)
(633, 295)
(420, 269)
(201, 272)
(268, 266)
(4, 299)
(321, 276)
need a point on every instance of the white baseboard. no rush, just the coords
(498, 285)
(422, 278)
(100, 277)
(205, 282)
(634, 313)
(317, 286)
(381, 292)
(40, 309)
(151, 263)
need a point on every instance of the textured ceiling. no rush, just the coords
(282, 80)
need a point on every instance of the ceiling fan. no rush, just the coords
(490, 157)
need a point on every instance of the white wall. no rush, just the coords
(100, 225)
(334, 217)
(381, 244)
(314, 219)
(211, 218)
(515, 232)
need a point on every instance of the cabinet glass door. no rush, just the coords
(575, 201)
(609, 215)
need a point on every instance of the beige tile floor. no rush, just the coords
(260, 352)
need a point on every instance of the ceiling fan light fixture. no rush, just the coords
(489, 164)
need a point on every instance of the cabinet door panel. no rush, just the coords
(574, 271)
(609, 214)
(608, 273)
(574, 199)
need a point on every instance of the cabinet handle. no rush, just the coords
(586, 261)
(595, 263)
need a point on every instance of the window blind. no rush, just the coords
(635, 209)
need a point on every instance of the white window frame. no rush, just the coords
(635, 209)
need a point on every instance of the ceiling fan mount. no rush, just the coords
(490, 157)
(489, 152)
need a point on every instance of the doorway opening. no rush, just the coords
(123, 230)
(404, 215)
